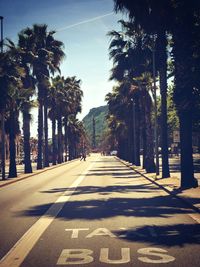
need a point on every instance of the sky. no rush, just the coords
(82, 25)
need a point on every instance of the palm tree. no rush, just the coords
(52, 103)
(4, 83)
(56, 100)
(12, 88)
(73, 94)
(120, 105)
(142, 88)
(25, 108)
(49, 52)
(118, 135)
(131, 55)
(145, 13)
(24, 47)
(75, 133)
(185, 30)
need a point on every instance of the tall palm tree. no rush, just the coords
(142, 88)
(52, 102)
(11, 75)
(57, 99)
(185, 30)
(24, 48)
(49, 52)
(73, 94)
(145, 13)
(75, 132)
(4, 83)
(131, 55)
(119, 102)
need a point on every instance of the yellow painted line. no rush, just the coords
(20, 250)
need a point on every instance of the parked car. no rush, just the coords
(113, 153)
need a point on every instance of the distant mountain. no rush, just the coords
(99, 114)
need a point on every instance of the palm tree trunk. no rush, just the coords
(137, 133)
(66, 137)
(12, 147)
(60, 139)
(3, 146)
(27, 148)
(70, 149)
(130, 140)
(46, 143)
(40, 136)
(184, 98)
(187, 168)
(144, 143)
(149, 160)
(163, 91)
(54, 156)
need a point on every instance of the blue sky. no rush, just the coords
(82, 25)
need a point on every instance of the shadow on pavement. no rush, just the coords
(124, 200)
(168, 235)
(93, 208)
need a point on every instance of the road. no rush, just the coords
(95, 213)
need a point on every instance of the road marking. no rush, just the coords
(125, 254)
(101, 232)
(162, 258)
(20, 250)
(77, 256)
(75, 232)
(83, 256)
(195, 216)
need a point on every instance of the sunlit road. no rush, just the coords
(95, 213)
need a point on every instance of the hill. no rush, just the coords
(99, 114)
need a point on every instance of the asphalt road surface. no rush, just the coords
(95, 213)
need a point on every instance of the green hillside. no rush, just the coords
(99, 114)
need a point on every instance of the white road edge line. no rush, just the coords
(20, 250)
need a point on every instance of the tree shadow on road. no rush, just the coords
(168, 235)
(129, 201)
(160, 207)
(100, 203)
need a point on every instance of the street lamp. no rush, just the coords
(155, 111)
(2, 118)
(1, 18)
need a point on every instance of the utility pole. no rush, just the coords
(2, 118)
(93, 133)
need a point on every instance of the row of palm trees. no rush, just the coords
(28, 71)
(168, 30)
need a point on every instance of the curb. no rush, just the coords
(17, 179)
(162, 187)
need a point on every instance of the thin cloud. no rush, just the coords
(84, 21)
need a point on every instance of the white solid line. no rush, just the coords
(20, 250)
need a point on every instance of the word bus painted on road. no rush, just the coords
(84, 256)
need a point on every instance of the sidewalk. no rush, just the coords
(22, 175)
(191, 197)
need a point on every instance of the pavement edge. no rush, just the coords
(170, 192)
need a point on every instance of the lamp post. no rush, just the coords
(155, 112)
(2, 119)
(93, 133)
(1, 18)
